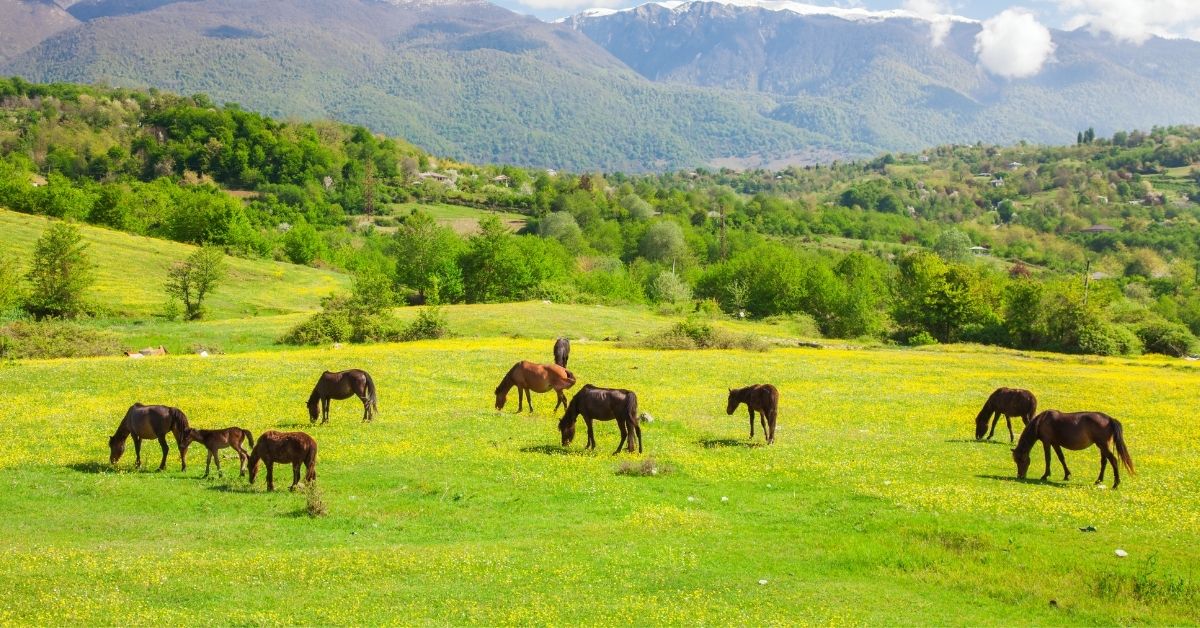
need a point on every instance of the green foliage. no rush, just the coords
(12, 285)
(60, 273)
(953, 246)
(668, 287)
(302, 243)
(427, 253)
(1167, 338)
(697, 334)
(663, 242)
(190, 281)
(55, 339)
(499, 266)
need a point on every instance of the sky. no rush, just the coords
(1015, 39)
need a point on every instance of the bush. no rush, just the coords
(921, 339)
(694, 334)
(645, 467)
(55, 339)
(1102, 338)
(429, 325)
(1167, 338)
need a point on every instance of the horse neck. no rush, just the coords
(316, 394)
(507, 383)
(1029, 436)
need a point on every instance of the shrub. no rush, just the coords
(314, 500)
(646, 467)
(429, 325)
(55, 339)
(921, 339)
(695, 334)
(61, 273)
(1098, 337)
(1167, 338)
(191, 280)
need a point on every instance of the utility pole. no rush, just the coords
(1087, 281)
(723, 249)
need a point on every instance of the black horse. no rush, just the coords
(603, 404)
(343, 385)
(562, 351)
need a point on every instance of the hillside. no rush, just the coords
(874, 506)
(131, 270)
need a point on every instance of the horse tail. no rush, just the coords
(1122, 450)
(310, 461)
(249, 438)
(374, 399)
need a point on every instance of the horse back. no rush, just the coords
(274, 446)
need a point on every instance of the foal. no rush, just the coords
(216, 440)
(293, 447)
(1073, 430)
(761, 397)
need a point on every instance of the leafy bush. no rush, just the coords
(1167, 338)
(695, 334)
(429, 325)
(1098, 337)
(55, 339)
(921, 339)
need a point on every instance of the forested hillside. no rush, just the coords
(1092, 247)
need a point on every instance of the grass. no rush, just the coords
(131, 271)
(875, 506)
(464, 220)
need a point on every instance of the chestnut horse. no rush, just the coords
(145, 422)
(603, 404)
(539, 378)
(1010, 402)
(1075, 431)
(761, 397)
(343, 385)
(293, 447)
(562, 351)
(216, 440)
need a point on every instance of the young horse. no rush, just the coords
(761, 397)
(343, 385)
(142, 421)
(562, 351)
(215, 440)
(293, 447)
(603, 404)
(1075, 431)
(1010, 402)
(539, 378)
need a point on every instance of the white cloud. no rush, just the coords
(1134, 20)
(937, 12)
(1013, 44)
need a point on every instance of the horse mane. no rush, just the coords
(179, 420)
(987, 407)
(507, 382)
(1029, 435)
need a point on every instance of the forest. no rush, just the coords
(1088, 248)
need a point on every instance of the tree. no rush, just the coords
(191, 280)
(426, 251)
(11, 288)
(663, 242)
(561, 226)
(302, 243)
(61, 273)
(667, 287)
(953, 245)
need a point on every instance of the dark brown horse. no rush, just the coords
(761, 397)
(216, 440)
(603, 404)
(1009, 402)
(562, 351)
(294, 447)
(150, 422)
(539, 378)
(1075, 431)
(343, 385)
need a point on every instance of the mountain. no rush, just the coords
(466, 79)
(25, 23)
(878, 78)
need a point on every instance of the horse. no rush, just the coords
(215, 440)
(142, 421)
(603, 404)
(293, 447)
(761, 397)
(562, 351)
(1010, 402)
(343, 385)
(539, 378)
(147, 352)
(1075, 431)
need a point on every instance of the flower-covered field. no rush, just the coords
(875, 505)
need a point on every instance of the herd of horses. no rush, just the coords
(1054, 429)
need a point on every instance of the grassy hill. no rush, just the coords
(873, 507)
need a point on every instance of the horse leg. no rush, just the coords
(1008, 420)
(624, 435)
(529, 399)
(208, 463)
(562, 399)
(162, 442)
(520, 400)
(995, 420)
(216, 454)
(1103, 463)
(762, 421)
(751, 421)
(1063, 461)
(636, 429)
(1046, 448)
(295, 475)
(137, 448)
(270, 475)
(591, 444)
(771, 423)
(325, 410)
(242, 457)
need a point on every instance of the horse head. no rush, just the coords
(313, 408)
(567, 427)
(501, 397)
(1022, 461)
(116, 447)
(731, 404)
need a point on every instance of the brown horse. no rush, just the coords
(215, 440)
(343, 385)
(761, 397)
(539, 378)
(1075, 431)
(562, 351)
(1010, 402)
(293, 447)
(142, 421)
(603, 404)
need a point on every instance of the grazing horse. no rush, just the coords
(761, 397)
(539, 378)
(215, 440)
(603, 404)
(142, 421)
(1075, 431)
(562, 351)
(293, 447)
(343, 385)
(1010, 402)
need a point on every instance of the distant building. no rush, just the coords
(435, 176)
(501, 180)
(923, 159)
(1013, 165)
(979, 250)
(997, 183)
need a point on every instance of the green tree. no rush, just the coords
(12, 289)
(192, 280)
(428, 252)
(302, 243)
(953, 245)
(61, 273)
(663, 242)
